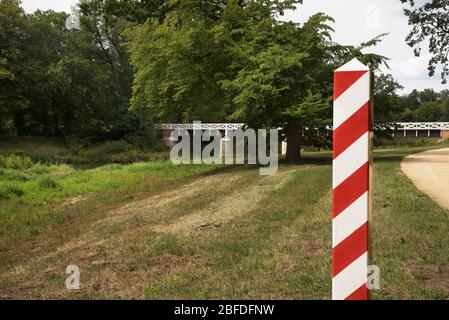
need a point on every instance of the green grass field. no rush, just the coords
(158, 231)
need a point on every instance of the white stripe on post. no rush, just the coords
(351, 278)
(353, 157)
(352, 218)
(350, 101)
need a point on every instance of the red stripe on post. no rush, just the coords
(343, 80)
(351, 130)
(350, 249)
(350, 190)
(360, 294)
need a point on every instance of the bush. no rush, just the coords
(15, 162)
(61, 170)
(39, 169)
(48, 183)
(12, 175)
(9, 192)
(17, 152)
(113, 167)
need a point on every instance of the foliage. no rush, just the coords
(44, 195)
(15, 162)
(430, 22)
(235, 61)
(69, 83)
(47, 183)
(423, 106)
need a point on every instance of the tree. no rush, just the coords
(445, 110)
(70, 83)
(444, 94)
(412, 100)
(233, 60)
(430, 22)
(12, 33)
(407, 116)
(179, 62)
(428, 95)
(284, 82)
(386, 100)
(429, 112)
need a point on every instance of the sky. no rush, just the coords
(356, 21)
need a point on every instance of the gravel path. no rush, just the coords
(430, 173)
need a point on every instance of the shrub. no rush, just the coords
(48, 183)
(17, 152)
(121, 158)
(10, 192)
(39, 169)
(61, 170)
(12, 175)
(13, 161)
(113, 167)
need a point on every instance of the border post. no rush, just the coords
(351, 182)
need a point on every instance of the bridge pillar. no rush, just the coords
(284, 148)
(225, 146)
(445, 134)
(166, 133)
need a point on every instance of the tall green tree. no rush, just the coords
(412, 100)
(12, 34)
(70, 83)
(429, 95)
(429, 112)
(387, 104)
(235, 61)
(445, 110)
(283, 78)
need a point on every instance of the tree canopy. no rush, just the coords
(236, 61)
(70, 83)
(132, 63)
(430, 22)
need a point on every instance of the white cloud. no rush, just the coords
(59, 5)
(357, 21)
(413, 68)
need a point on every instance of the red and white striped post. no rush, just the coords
(352, 159)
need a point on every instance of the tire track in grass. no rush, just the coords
(115, 253)
(280, 249)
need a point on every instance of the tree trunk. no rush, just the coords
(293, 141)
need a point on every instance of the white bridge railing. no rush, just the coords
(235, 126)
(198, 126)
(422, 125)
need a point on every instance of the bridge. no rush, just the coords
(401, 130)
(415, 130)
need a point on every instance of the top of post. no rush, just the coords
(353, 65)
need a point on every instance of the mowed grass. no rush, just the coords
(227, 234)
(36, 196)
(282, 248)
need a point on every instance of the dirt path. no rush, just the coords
(430, 173)
(123, 247)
